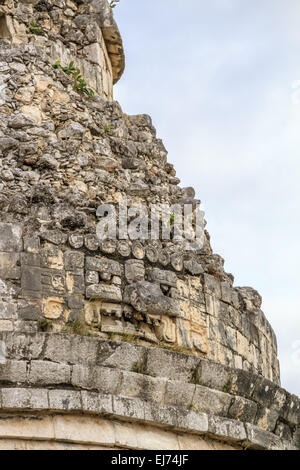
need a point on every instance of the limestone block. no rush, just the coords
(76, 240)
(75, 282)
(24, 398)
(261, 439)
(148, 298)
(103, 379)
(179, 394)
(226, 428)
(6, 325)
(196, 422)
(210, 401)
(92, 312)
(158, 440)
(91, 242)
(73, 260)
(104, 265)
(134, 271)
(21, 346)
(112, 325)
(71, 349)
(229, 295)
(184, 333)
(91, 277)
(199, 338)
(142, 386)
(9, 268)
(138, 250)
(266, 418)
(96, 402)
(216, 376)
(31, 245)
(84, 429)
(166, 330)
(242, 345)
(52, 258)
(183, 289)
(31, 278)
(128, 407)
(167, 278)
(193, 267)
(47, 373)
(53, 307)
(13, 372)
(122, 356)
(64, 400)
(243, 410)
(170, 364)
(212, 285)
(8, 311)
(104, 292)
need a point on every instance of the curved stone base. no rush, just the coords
(104, 394)
(82, 432)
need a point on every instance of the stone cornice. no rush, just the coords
(112, 37)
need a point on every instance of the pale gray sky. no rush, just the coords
(217, 78)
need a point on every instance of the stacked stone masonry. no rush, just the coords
(114, 310)
(153, 398)
(65, 31)
(203, 402)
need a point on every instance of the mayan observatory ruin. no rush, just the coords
(112, 343)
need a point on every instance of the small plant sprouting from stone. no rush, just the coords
(78, 327)
(191, 407)
(79, 84)
(227, 386)
(44, 325)
(172, 219)
(195, 377)
(107, 128)
(114, 3)
(139, 368)
(128, 338)
(35, 29)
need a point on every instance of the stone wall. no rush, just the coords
(64, 277)
(120, 334)
(96, 393)
(65, 31)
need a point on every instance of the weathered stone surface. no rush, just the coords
(226, 428)
(49, 373)
(10, 237)
(159, 276)
(210, 401)
(63, 152)
(134, 271)
(104, 265)
(64, 400)
(104, 292)
(24, 398)
(148, 298)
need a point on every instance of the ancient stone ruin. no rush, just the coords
(117, 343)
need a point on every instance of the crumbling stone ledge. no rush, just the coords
(133, 411)
(63, 372)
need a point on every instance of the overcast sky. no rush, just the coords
(219, 79)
